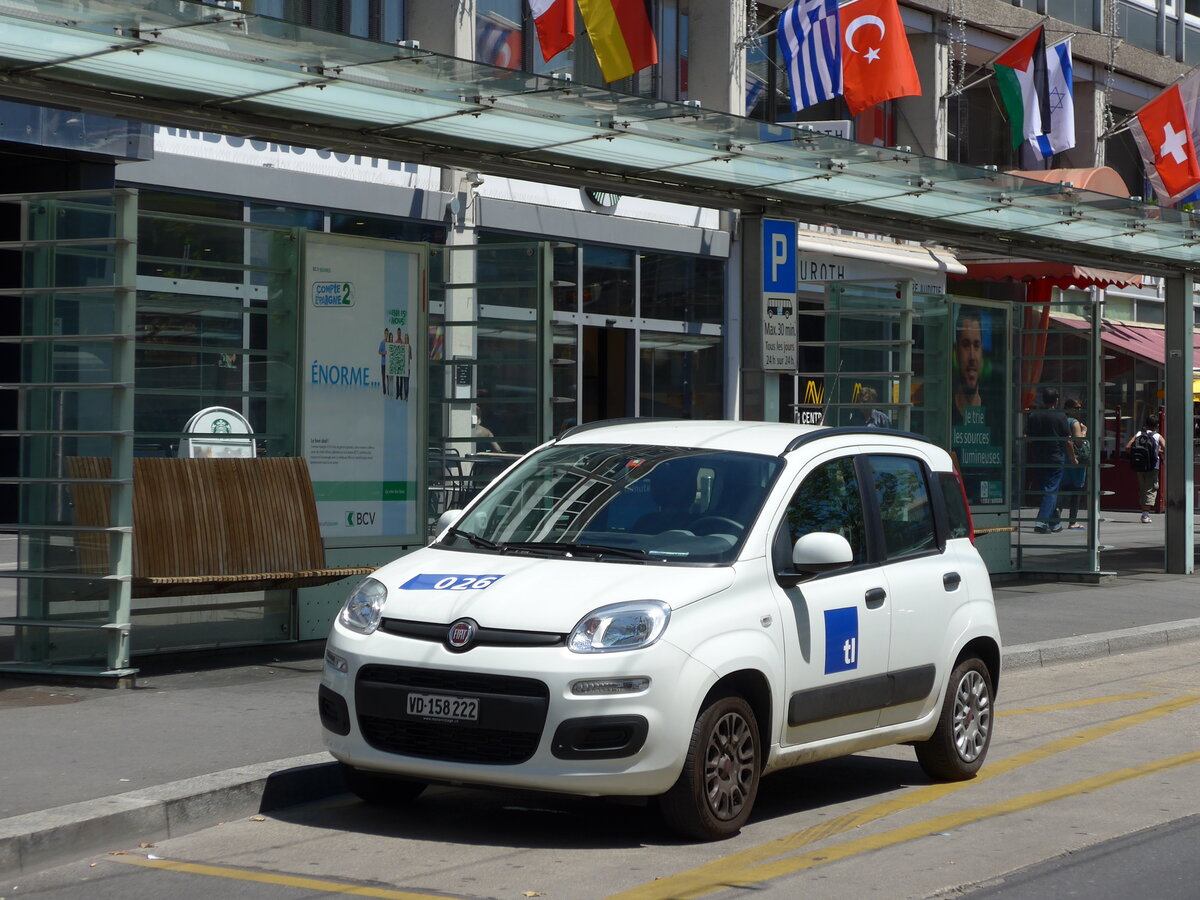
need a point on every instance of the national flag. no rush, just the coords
(755, 89)
(810, 43)
(555, 24)
(1165, 132)
(1060, 135)
(621, 36)
(498, 44)
(877, 64)
(1021, 83)
(1037, 91)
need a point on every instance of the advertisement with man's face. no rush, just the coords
(977, 413)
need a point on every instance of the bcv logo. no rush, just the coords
(359, 519)
(841, 639)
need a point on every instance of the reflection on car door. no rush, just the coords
(838, 631)
(921, 581)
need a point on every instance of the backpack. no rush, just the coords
(1143, 455)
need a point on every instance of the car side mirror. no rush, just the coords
(446, 519)
(814, 553)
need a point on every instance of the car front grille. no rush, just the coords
(512, 714)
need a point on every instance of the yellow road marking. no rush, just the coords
(1079, 704)
(309, 884)
(959, 819)
(713, 876)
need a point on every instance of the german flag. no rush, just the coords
(621, 36)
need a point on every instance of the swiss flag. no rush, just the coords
(876, 62)
(555, 23)
(1168, 148)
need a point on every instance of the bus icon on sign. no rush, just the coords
(779, 309)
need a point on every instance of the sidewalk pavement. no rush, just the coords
(210, 736)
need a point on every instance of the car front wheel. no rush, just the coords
(964, 730)
(716, 789)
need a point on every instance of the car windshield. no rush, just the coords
(624, 503)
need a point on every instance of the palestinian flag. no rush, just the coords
(1024, 88)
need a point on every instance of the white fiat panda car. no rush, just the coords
(674, 609)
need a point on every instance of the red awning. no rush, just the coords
(1143, 341)
(1061, 275)
(1101, 180)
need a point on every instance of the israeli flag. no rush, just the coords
(810, 41)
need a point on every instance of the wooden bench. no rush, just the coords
(209, 525)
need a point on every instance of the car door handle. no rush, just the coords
(876, 596)
(951, 581)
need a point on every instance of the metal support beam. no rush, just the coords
(1180, 450)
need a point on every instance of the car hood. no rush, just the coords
(532, 594)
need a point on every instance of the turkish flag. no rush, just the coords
(555, 24)
(1167, 134)
(876, 62)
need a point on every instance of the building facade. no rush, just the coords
(410, 327)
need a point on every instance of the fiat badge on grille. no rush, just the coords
(461, 634)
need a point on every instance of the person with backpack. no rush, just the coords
(1075, 477)
(1146, 450)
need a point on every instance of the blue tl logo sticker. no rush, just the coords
(841, 639)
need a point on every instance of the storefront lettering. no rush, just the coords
(811, 270)
(209, 137)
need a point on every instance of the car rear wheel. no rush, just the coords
(716, 789)
(383, 790)
(958, 746)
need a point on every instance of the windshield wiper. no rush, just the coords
(475, 540)
(598, 550)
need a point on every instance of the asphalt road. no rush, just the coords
(1090, 790)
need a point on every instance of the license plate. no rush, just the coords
(444, 706)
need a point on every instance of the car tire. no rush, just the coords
(964, 730)
(381, 790)
(715, 792)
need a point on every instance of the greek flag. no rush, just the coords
(810, 40)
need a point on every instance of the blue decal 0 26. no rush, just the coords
(841, 639)
(450, 582)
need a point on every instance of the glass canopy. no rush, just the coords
(200, 66)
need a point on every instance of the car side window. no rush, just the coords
(827, 500)
(905, 507)
(957, 515)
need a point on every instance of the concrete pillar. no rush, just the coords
(921, 121)
(1178, 479)
(755, 382)
(443, 26)
(717, 75)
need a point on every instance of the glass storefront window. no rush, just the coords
(181, 236)
(684, 288)
(379, 20)
(566, 278)
(608, 281)
(499, 36)
(681, 376)
(388, 229)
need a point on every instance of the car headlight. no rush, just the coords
(364, 606)
(621, 626)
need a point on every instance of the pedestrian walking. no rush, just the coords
(1050, 449)
(1146, 449)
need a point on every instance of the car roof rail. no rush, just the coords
(842, 430)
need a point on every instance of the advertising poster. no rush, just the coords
(362, 329)
(977, 417)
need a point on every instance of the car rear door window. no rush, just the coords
(905, 508)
